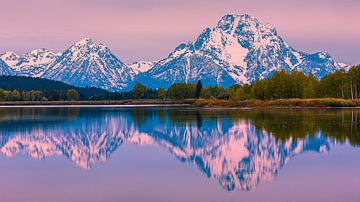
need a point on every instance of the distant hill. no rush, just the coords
(23, 83)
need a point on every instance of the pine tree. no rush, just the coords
(198, 89)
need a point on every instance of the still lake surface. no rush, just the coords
(178, 154)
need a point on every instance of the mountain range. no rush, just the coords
(239, 49)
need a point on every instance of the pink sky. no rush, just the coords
(151, 29)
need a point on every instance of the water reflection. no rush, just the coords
(240, 149)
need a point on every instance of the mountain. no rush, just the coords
(141, 66)
(240, 49)
(84, 64)
(32, 64)
(89, 64)
(4, 68)
(23, 83)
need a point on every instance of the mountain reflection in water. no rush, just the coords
(240, 149)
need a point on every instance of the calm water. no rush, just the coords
(168, 154)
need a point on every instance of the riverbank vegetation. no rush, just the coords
(21, 88)
(341, 125)
(282, 89)
(280, 86)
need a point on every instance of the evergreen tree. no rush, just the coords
(198, 89)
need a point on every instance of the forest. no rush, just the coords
(20, 88)
(281, 85)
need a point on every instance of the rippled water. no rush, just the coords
(178, 154)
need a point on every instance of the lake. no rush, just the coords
(178, 154)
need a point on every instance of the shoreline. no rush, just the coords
(99, 103)
(322, 103)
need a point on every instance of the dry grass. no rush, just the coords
(213, 103)
(281, 103)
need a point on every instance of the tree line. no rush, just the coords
(38, 95)
(21, 88)
(281, 85)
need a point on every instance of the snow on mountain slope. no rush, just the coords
(89, 64)
(4, 68)
(10, 58)
(240, 49)
(141, 66)
(33, 63)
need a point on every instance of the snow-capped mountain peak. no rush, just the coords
(87, 47)
(4, 68)
(10, 58)
(89, 44)
(239, 49)
(41, 56)
(141, 66)
(87, 63)
(34, 63)
(85, 41)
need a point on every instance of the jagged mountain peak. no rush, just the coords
(239, 49)
(87, 45)
(235, 24)
(4, 68)
(87, 42)
(84, 63)
(10, 58)
(43, 51)
(9, 54)
(236, 19)
(238, 31)
(141, 66)
(33, 63)
(41, 55)
(87, 63)
(38, 51)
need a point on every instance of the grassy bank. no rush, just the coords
(281, 103)
(209, 103)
